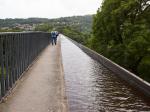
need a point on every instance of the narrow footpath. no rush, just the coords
(41, 89)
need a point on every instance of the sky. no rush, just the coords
(47, 8)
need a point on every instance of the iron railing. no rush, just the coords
(17, 52)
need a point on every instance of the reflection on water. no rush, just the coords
(91, 87)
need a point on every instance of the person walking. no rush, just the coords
(54, 35)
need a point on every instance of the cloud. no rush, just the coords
(46, 8)
(81, 6)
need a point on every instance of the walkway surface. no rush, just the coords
(41, 89)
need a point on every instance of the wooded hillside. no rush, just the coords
(121, 32)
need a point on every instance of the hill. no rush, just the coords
(83, 23)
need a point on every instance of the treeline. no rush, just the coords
(121, 32)
(9, 22)
(83, 22)
(11, 30)
(74, 33)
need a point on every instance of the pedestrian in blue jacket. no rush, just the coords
(54, 35)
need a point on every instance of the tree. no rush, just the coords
(121, 32)
(44, 27)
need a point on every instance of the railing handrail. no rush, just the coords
(26, 32)
(17, 51)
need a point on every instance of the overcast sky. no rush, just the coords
(47, 8)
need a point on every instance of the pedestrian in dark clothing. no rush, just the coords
(54, 35)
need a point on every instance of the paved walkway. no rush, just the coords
(42, 87)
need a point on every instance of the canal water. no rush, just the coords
(91, 87)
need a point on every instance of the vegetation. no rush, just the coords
(80, 23)
(11, 30)
(78, 28)
(74, 33)
(84, 23)
(43, 27)
(121, 32)
(12, 22)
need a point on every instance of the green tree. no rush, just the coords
(44, 27)
(74, 33)
(121, 31)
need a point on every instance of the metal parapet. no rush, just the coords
(17, 52)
